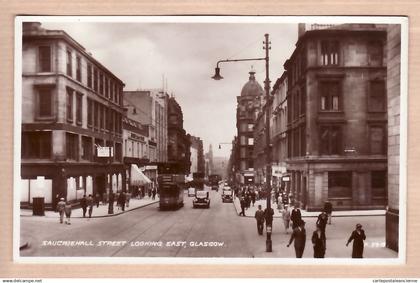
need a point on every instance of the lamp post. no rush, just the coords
(217, 76)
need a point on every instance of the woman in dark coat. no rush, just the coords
(357, 236)
(319, 242)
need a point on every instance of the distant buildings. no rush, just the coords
(71, 115)
(197, 155)
(178, 141)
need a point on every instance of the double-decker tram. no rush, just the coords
(171, 182)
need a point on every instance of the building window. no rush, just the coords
(79, 108)
(44, 53)
(340, 184)
(302, 141)
(95, 79)
(250, 141)
(36, 145)
(102, 115)
(243, 152)
(375, 51)
(250, 127)
(329, 52)
(377, 99)
(69, 105)
(72, 146)
(101, 84)
(378, 183)
(86, 148)
(106, 88)
(243, 165)
(45, 102)
(377, 140)
(296, 142)
(69, 64)
(330, 140)
(96, 114)
(330, 96)
(90, 112)
(302, 107)
(79, 68)
(111, 89)
(89, 75)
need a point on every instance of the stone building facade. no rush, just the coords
(278, 130)
(71, 109)
(337, 117)
(178, 140)
(248, 106)
(394, 96)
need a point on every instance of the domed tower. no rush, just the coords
(248, 105)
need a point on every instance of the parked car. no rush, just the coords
(227, 194)
(201, 199)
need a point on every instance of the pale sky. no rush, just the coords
(186, 54)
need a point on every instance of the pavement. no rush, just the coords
(188, 232)
(101, 211)
(250, 212)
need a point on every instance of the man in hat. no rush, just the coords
(357, 236)
(259, 216)
(60, 208)
(299, 236)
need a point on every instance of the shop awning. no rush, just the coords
(137, 177)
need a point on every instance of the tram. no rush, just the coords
(171, 182)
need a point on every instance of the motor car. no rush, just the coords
(191, 192)
(227, 194)
(215, 187)
(201, 199)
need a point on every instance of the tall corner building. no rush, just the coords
(248, 105)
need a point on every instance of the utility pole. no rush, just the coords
(267, 137)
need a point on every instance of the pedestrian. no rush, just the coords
(243, 205)
(322, 221)
(268, 215)
(296, 217)
(121, 201)
(149, 193)
(111, 202)
(299, 237)
(56, 200)
(253, 197)
(154, 191)
(328, 209)
(319, 242)
(83, 204)
(259, 216)
(247, 200)
(67, 210)
(90, 205)
(60, 208)
(357, 236)
(97, 199)
(285, 214)
(127, 198)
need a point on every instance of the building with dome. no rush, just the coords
(248, 106)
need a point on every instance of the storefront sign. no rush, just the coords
(105, 151)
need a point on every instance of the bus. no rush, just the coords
(171, 180)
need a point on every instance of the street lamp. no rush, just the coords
(217, 76)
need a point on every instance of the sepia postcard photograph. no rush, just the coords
(210, 139)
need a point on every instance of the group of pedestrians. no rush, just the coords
(298, 235)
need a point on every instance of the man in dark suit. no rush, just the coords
(299, 236)
(268, 215)
(259, 216)
(296, 217)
